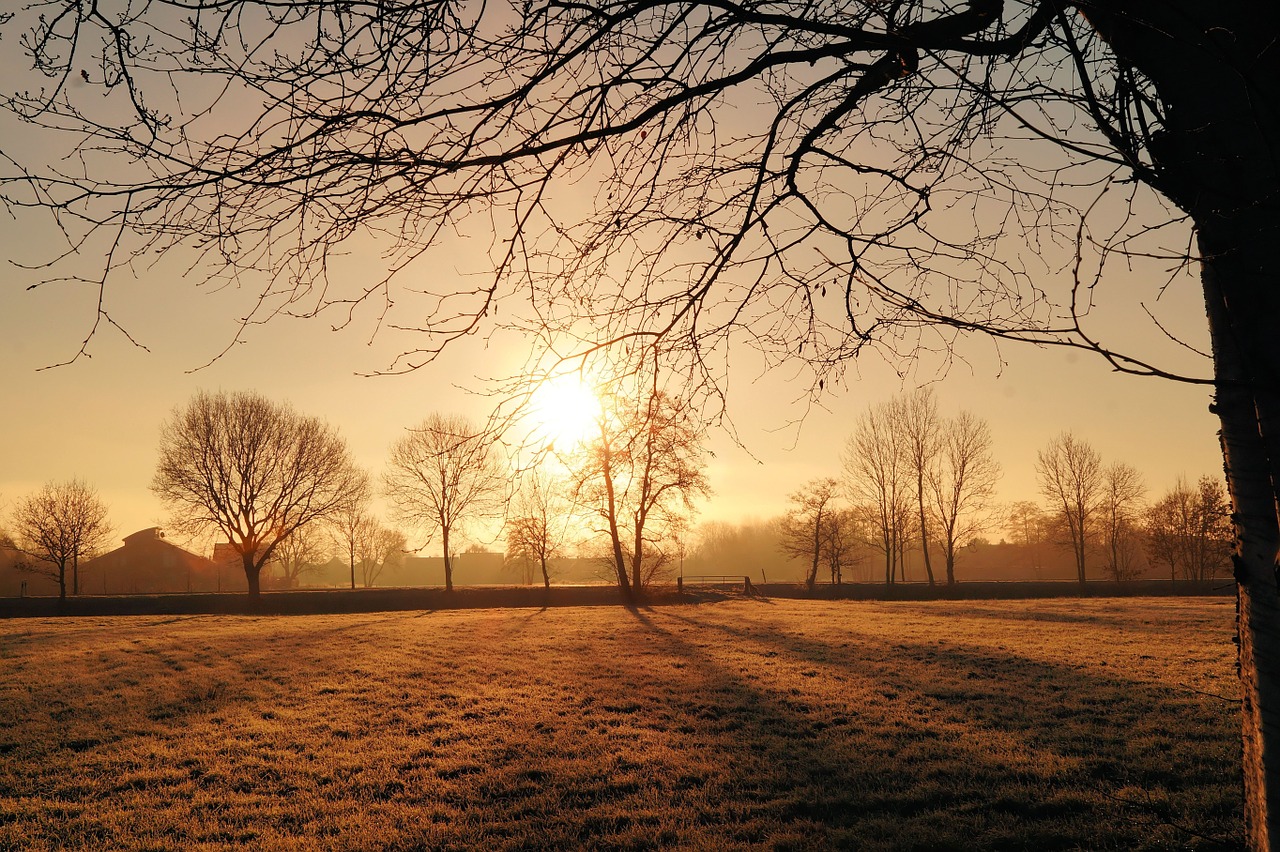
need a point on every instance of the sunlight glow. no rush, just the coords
(564, 411)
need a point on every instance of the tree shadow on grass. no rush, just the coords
(1004, 748)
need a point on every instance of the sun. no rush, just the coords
(565, 411)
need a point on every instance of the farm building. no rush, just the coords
(147, 564)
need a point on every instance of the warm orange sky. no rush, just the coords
(98, 418)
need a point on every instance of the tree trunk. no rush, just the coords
(637, 555)
(1215, 67)
(924, 529)
(251, 574)
(1247, 401)
(812, 578)
(448, 560)
(546, 575)
(1075, 528)
(611, 514)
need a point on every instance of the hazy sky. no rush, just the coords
(99, 417)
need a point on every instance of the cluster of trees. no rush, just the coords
(625, 491)
(282, 489)
(1102, 509)
(912, 479)
(916, 482)
(57, 528)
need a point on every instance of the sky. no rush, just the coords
(98, 418)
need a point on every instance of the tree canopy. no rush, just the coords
(252, 470)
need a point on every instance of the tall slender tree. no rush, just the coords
(917, 420)
(1070, 474)
(1120, 513)
(441, 475)
(643, 473)
(537, 532)
(877, 476)
(803, 526)
(350, 524)
(962, 484)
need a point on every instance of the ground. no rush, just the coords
(1063, 724)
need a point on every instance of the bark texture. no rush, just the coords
(1216, 67)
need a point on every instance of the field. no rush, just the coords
(1063, 724)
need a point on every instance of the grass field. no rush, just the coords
(1064, 724)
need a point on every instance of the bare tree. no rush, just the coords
(802, 527)
(253, 470)
(1120, 514)
(378, 549)
(1189, 530)
(537, 533)
(877, 476)
(962, 484)
(300, 553)
(58, 526)
(267, 148)
(1070, 474)
(840, 536)
(350, 524)
(916, 419)
(642, 474)
(441, 475)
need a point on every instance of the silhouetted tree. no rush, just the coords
(1070, 474)
(641, 473)
(59, 525)
(270, 146)
(962, 483)
(1119, 515)
(1189, 530)
(916, 420)
(350, 524)
(300, 553)
(377, 549)
(253, 470)
(537, 533)
(442, 474)
(840, 536)
(802, 526)
(878, 477)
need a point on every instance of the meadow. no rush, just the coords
(743, 724)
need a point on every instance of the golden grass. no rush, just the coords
(1064, 724)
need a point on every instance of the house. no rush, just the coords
(148, 564)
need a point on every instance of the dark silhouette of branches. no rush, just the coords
(442, 474)
(59, 526)
(252, 470)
